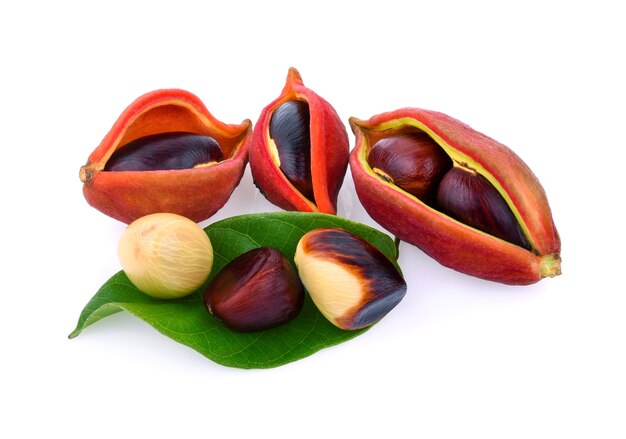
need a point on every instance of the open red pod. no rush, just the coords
(166, 153)
(299, 152)
(487, 214)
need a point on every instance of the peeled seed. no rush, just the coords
(165, 255)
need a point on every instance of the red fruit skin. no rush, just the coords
(450, 242)
(195, 193)
(329, 153)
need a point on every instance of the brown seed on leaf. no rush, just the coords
(257, 290)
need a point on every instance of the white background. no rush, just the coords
(459, 357)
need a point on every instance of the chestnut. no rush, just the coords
(509, 192)
(166, 151)
(412, 161)
(471, 199)
(352, 283)
(258, 290)
(165, 255)
(290, 131)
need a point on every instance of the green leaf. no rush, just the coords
(186, 320)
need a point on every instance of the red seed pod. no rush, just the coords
(171, 164)
(299, 152)
(450, 241)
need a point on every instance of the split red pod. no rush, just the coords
(299, 152)
(166, 153)
(487, 215)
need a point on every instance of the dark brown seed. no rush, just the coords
(258, 290)
(290, 130)
(471, 199)
(413, 162)
(166, 151)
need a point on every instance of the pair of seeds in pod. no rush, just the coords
(417, 164)
(350, 281)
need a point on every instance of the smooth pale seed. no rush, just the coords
(166, 256)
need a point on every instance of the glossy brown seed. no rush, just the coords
(258, 290)
(290, 130)
(469, 198)
(165, 151)
(413, 162)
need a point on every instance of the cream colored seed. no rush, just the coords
(166, 256)
(334, 289)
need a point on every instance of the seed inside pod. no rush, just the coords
(290, 130)
(469, 198)
(299, 150)
(165, 151)
(412, 161)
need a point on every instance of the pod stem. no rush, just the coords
(550, 266)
